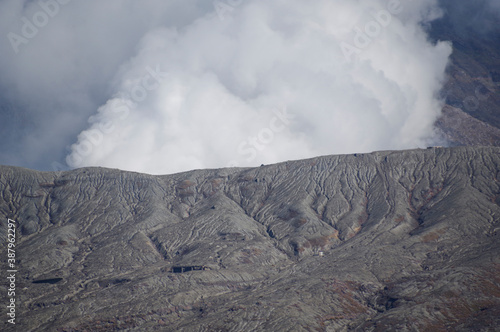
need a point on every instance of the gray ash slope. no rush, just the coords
(472, 88)
(411, 242)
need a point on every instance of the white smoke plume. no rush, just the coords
(253, 81)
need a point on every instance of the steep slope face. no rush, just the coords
(459, 128)
(471, 90)
(410, 241)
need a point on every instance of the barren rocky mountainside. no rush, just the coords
(472, 88)
(386, 241)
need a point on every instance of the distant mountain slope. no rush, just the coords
(410, 241)
(473, 84)
(459, 128)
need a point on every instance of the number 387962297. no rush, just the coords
(11, 241)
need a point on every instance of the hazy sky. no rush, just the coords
(165, 86)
